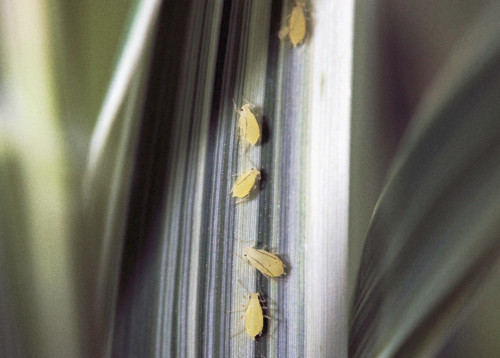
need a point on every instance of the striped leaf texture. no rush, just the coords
(173, 234)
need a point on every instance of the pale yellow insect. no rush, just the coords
(248, 124)
(254, 316)
(268, 264)
(297, 28)
(245, 183)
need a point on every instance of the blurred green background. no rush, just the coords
(56, 61)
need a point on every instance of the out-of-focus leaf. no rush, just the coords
(39, 305)
(432, 252)
(107, 180)
(54, 68)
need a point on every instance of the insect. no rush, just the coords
(268, 264)
(254, 316)
(245, 183)
(248, 124)
(296, 29)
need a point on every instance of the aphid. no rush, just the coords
(268, 264)
(296, 29)
(248, 125)
(245, 183)
(254, 316)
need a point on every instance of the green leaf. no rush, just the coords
(178, 224)
(431, 255)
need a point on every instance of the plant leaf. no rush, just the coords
(179, 275)
(432, 253)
